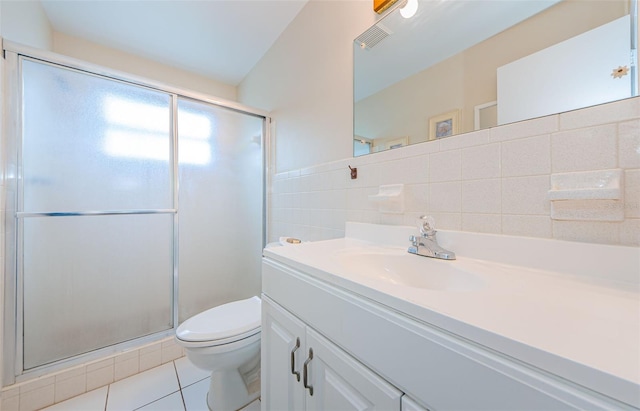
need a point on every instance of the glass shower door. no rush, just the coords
(95, 213)
(220, 167)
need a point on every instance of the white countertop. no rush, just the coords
(582, 328)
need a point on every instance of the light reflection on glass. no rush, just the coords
(195, 126)
(136, 115)
(141, 131)
(119, 143)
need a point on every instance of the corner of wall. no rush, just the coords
(26, 22)
(95, 53)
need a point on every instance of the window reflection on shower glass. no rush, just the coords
(137, 130)
(75, 121)
(92, 144)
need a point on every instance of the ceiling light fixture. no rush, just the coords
(409, 9)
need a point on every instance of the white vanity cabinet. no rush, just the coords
(363, 349)
(283, 346)
(301, 370)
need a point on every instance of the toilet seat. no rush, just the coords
(220, 346)
(224, 324)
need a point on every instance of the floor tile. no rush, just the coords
(195, 396)
(188, 373)
(171, 402)
(92, 401)
(142, 389)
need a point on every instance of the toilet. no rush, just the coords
(226, 341)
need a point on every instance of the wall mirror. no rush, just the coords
(459, 66)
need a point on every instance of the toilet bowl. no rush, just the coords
(226, 341)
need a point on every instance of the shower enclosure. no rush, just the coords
(130, 207)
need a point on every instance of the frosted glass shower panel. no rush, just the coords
(91, 143)
(220, 204)
(82, 295)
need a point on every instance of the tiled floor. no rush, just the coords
(174, 386)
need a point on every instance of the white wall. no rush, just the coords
(305, 80)
(2, 200)
(26, 22)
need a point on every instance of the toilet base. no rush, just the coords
(231, 390)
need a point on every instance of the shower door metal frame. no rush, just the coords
(12, 369)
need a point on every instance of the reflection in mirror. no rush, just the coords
(459, 66)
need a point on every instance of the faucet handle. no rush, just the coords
(426, 225)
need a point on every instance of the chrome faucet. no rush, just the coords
(426, 245)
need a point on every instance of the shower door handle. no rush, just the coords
(305, 381)
(293, 359)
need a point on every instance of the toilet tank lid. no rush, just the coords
(222, 322)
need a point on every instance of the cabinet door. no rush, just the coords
(283, 341)
(341, 383)
(410, 405)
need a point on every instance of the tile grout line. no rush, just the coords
(106, 399)
(175, 368)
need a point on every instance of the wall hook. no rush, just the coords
(354, 172)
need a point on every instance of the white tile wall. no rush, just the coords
(487, 181)
(100, 374)
(632, 193)
(526, 195)
(629, 148)
(481, 162)
(526, 225)
(528, 128)
(150, 357)
(49, 389)
(126, 365)
(446, 197)
(482, 223)
(444, 166)
(70, 383)
(616, 112)
(593, 148)
(481, 196)
(527, 156)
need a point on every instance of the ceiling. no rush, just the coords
(219, 39)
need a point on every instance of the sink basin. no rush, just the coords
(404, 269)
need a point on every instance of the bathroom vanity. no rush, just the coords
(513, 323)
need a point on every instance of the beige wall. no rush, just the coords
(404, 108)
(138, 66)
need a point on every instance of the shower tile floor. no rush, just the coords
(174, 386)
